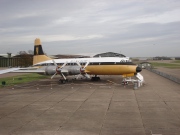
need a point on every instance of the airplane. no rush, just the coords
(85, 67)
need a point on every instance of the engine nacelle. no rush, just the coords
(50, 70)
(73, 70)
(67, 70)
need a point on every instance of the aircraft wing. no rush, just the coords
(22, 70)
(8, 70)
(28, 71)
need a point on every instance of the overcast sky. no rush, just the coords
(131, 27)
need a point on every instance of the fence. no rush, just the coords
(16, 61)
(170, 77)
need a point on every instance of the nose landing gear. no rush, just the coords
(124, 83)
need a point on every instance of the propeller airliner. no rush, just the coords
(81, 66)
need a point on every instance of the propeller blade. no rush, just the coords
(78, 76)
(59, 70)
(78, 64)
(84, 75)
(63, 65)
(63, 76)
(86, 64)
(87, 76)
(54, 63)
(53, 75)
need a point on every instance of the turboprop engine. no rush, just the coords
(50, 70)
(67, 70)
(72, 70)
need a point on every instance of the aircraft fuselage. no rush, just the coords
(97, 66)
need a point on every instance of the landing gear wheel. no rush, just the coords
(63, 81)
(95, 79)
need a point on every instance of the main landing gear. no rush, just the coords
(95, 78)
(63, 81)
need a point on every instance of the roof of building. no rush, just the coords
(109, 54)
(60, 56)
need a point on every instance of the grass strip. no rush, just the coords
(20, 79)
(166, 65)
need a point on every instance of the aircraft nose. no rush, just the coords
(138, 69)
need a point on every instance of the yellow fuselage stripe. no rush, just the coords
(110, 69)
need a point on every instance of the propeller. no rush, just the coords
(82, 69)
(53, 75)
(58, 70)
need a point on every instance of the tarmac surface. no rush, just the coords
(91, 108)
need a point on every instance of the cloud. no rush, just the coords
(47, 38)
(91, 26)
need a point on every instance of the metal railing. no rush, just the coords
(170, 77)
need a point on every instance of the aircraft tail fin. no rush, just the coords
(39, 55)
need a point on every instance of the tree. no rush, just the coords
(26, 60)
(21, 52)
(30, 52)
